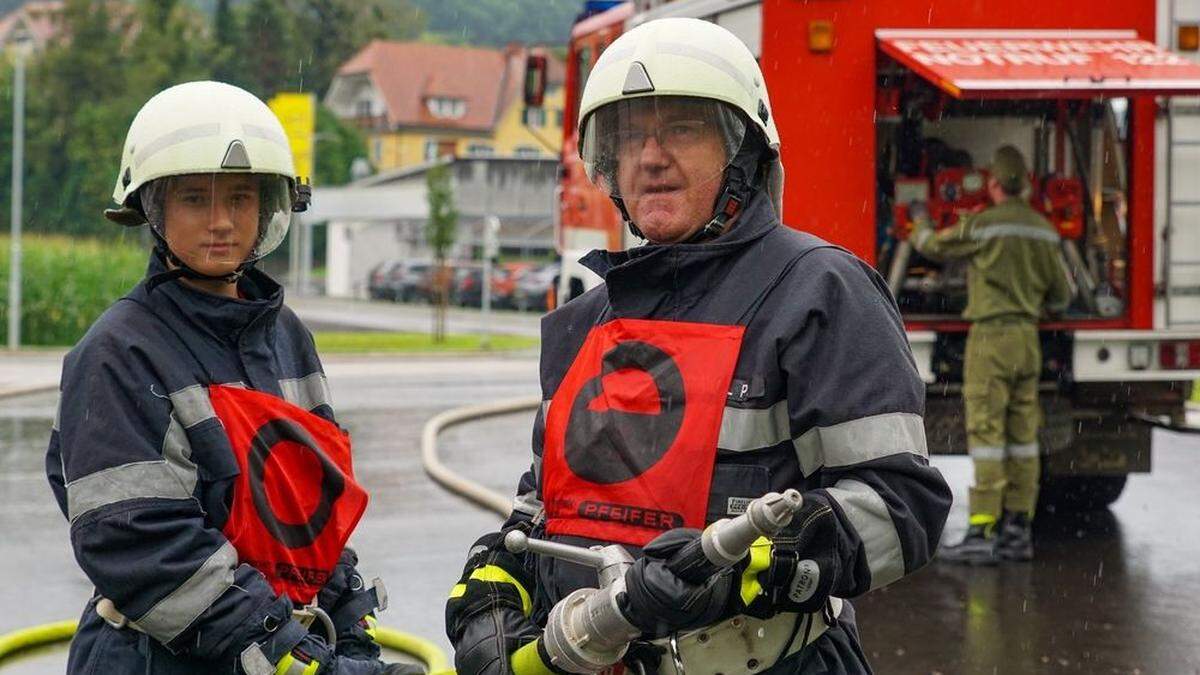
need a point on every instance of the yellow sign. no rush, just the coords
(297, 113)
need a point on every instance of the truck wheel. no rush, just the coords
(1080, 493)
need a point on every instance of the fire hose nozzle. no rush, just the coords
(725, 542)
(586, 631)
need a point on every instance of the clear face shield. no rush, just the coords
(214, 222)
(663, 156)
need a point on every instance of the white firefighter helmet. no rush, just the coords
(208, 129)
(679, 57)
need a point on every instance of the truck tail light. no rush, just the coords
(1179, 354)
(820, 36)
(1189, 37)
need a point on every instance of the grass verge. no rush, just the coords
(417, 343)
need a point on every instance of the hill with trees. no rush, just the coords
(83, 91)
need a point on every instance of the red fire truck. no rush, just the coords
(879, 103)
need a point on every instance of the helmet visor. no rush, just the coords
(645, 149)
(214, 222)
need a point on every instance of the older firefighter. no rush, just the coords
(1015, 271)
(195, 453)
(728, 357)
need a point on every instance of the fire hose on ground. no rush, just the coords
(587, 632)
(22, 640)
(16, 642)
(423, 650)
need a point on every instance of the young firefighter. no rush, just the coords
(728, 357)
(195, 453)
(1015, 271)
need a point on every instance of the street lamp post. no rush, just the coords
(21, 44)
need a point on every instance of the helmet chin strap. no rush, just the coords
(181, 270)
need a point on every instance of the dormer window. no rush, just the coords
(446, 108)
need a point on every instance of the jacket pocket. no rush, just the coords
(212, 452)
(733, 487)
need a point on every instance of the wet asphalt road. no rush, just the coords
(1111, 592)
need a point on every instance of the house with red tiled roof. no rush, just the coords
(419, 101)
(38, 20)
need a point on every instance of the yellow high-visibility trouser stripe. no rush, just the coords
(494, 574)
(288, 665)
(527, 661)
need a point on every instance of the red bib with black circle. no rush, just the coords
(631, 432)
(295, 503)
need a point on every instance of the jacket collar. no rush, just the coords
(223, 318)
(649, 279)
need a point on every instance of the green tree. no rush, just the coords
(440, 231)
(268, 32)
(77, 111)
(498, 22)
(331, 31)
(338, 145)
(228, 60)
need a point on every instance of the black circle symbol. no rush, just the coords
(612, 446)
(333, 483)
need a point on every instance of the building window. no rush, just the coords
(446, 108)
(480, 150)
(437, 148)
(362, 109)
(559, 115)
(526, 151)
(534, 117)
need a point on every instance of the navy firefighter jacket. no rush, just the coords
(142, 468)
(823, 396)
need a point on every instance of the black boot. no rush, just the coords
(1015, 541)
(977, 548)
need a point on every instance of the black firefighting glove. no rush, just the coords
(351, 605)
(487, 615)
(659, 602)
(795, 571)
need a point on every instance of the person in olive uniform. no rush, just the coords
(1015, 271)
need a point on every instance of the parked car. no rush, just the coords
(468, 291)
(534, 288)
(380, 282)
(412, 282)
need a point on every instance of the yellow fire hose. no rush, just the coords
(61, 631)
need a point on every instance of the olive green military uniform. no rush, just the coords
(1015, 269)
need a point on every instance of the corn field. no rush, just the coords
(66, 284)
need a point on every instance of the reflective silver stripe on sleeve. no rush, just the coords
(1015, 230)
(308, 392)
(871, 520)
(745, 429)
(137, 480)
(528, 503)
(537, 469)
(57, 414)
(192, 405)
(1023, 450)
(172, 477)
(922, 236)
(861, 440)
(169, 616)
(987, 452)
